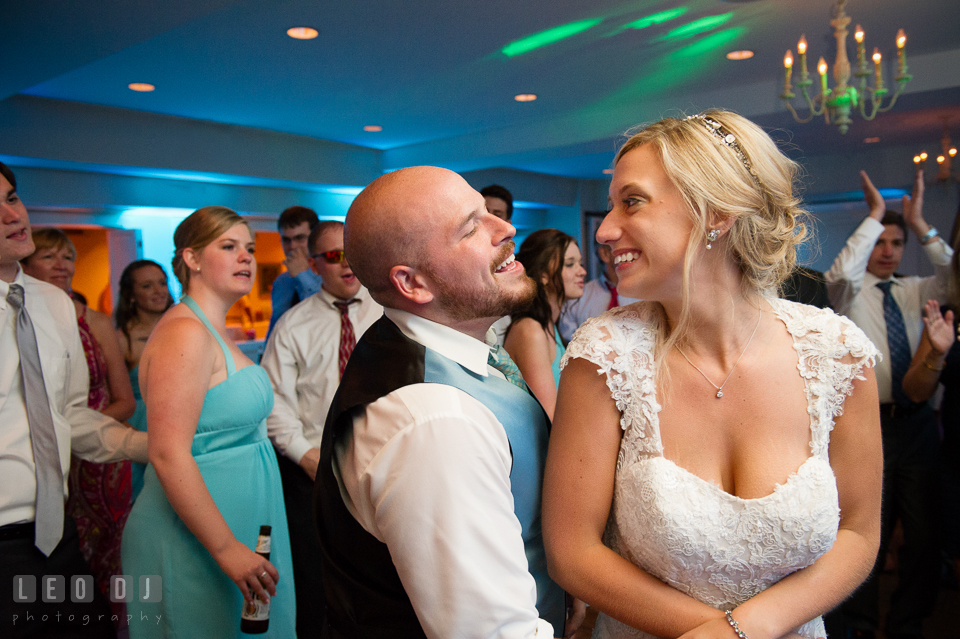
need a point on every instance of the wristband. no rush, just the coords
(929, 235)
(935, 370)
(733, 624)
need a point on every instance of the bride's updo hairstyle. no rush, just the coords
(196, 231)
(726, 166)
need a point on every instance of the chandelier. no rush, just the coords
(944, 160)
(836, 104)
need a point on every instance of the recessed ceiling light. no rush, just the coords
(744, 54)
(525, 97)
(302, 33)
(142, 87)
(373, 128)
(871, 140)
(608, 171)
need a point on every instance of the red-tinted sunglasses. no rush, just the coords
(330, 257)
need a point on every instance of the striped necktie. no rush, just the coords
(348, 339)
(897, 342)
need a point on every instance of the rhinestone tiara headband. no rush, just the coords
(728, 139)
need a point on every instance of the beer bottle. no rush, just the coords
(255, 616)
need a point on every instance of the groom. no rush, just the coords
(428, 489)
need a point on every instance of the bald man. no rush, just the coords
(428, 488)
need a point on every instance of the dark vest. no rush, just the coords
(365, 597)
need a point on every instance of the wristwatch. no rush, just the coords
(929, 235)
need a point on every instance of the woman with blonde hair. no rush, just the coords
(213, 479)
(99, 498)
(714, 466)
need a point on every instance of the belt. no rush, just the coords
(894, 410)
(17, 531)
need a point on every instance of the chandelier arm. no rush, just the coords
(874, 103)
(813, 102)
(797, 117)
(893, 99)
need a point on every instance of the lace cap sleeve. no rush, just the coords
(832, 352)
(620, 343)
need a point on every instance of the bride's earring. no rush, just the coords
(712, 237)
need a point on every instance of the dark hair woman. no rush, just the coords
(552, 259)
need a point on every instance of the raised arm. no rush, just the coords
(845, 277)
(529, 348)
(857, 462)
(577, 496)
(921, 379)
(176, 370)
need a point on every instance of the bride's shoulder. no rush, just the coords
(620, 331)
(824, 330)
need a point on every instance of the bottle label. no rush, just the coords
(263, 545)
(256, 610)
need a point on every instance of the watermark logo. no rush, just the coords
(53, 588)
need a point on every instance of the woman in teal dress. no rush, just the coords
(143, 299)
(213, 480)
(552, 259)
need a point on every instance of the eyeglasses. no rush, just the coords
(330, 257)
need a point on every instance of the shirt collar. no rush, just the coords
(360, 297)
(870, 280)
(461, 348)
(5, 287)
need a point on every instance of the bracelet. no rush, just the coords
(935, 370)
(733, 624)
(929, 235)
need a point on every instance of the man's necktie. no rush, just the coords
(898, 343)
(614, 299)
(500, 360)
(348, 339)
(43, 437)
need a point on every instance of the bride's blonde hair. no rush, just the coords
(745, 177)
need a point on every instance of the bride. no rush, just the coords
(715, 463)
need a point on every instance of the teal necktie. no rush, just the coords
(500, 360)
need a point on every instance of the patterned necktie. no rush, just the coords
(348, 339)
(500, 360)
(43, 437)
(898, 343)
(614, 299)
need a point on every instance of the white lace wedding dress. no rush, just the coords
(714, 546)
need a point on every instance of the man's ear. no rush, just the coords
(313, 265)
(410, 284)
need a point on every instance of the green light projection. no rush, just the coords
(714, 41)
(542, 39)
(698, 26)
(656, 18)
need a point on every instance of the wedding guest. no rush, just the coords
(599, 296)
(44, 414)
(863, 285)
(498, 201)
(99, 493)
(213, 479)
(305, 357)
(551, 258)
(143, 299)
(711, 443)
(298, 282)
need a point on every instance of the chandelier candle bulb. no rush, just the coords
(861, 51)
(916, 159)
(877, 69)
(901, 53)
(822, 70)
(788, 71)
(802, 52)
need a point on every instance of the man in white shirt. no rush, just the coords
(862, 285)
(599, 296)
(303, 358)
(428, 488)
(34, 544)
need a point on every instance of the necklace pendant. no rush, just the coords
(719, 394)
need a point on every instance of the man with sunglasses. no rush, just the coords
(299, 281)
(305, 356)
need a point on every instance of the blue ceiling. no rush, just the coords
(434, 76)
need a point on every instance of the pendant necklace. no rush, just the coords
(720, 387)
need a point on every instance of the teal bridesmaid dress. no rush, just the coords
(239, 468)
(138, 421)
